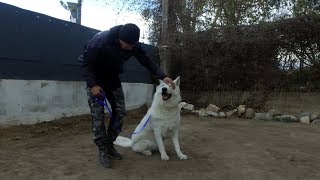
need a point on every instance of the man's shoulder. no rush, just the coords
(98, 39)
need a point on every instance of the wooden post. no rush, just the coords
(78, 20)
(164, 41)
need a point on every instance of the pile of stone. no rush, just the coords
(248, 113)
(215, 111)
(303, 117)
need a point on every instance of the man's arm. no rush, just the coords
(90, 56)
(146, 62)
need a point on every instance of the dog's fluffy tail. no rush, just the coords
(123, 141)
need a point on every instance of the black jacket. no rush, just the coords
(103, 59)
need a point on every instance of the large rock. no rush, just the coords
(286, 118)
(314, 116)
(187, 106)
(249, 113)
(212, 108)
(241, 110)
(231, 113)
(316, 122)
(305, 120)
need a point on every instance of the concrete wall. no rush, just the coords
(32, 101)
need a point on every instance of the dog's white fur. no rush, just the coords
(164, 122)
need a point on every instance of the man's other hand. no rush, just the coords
(169, 81)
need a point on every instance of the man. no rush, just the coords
(102, 62)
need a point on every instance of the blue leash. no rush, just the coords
(144, 126)
(104, 103)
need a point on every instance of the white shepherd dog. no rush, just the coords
(162, 120)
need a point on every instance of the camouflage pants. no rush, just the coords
(116, 100)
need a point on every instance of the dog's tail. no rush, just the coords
(123, 141)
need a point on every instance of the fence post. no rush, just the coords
(164, 38)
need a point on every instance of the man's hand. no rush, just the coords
(97, 91)
(169, 81)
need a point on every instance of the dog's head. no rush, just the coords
(168, 96)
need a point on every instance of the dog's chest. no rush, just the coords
(166, 128)
(166, 120)
(167, 125)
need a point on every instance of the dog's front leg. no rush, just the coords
(158, 137)
(175, 140)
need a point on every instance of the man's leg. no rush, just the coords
(116, 100)
(99, 129)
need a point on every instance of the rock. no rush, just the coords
(249, 113)
(182, 103)
(212, 108)
(316, 122)
(314, 116)
(286, 118)
(269, 116)
(187, 106)
(303, 114)
(305, 120)
(222, 114)
(274, 113)
(262, 116)
(241, 110)
(213, 114)
(202, 113)
(230, 113)
(195, 111)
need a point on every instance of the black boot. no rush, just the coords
(112, 152)
(104, 158)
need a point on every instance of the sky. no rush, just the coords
(95, 13)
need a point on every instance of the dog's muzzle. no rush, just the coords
(165, 95)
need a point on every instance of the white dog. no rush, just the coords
(162, 120)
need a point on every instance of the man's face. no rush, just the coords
(126, 46)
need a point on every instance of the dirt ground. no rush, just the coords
(217, 148)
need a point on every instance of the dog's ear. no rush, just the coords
(177, 81)
(161, 81)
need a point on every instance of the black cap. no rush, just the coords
(129, 33)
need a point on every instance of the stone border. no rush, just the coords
(249, 113)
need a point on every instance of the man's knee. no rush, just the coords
(98, 125)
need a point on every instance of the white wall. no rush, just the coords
(31, 101)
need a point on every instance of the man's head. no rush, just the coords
(129, 35)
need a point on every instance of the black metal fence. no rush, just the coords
(34, 46)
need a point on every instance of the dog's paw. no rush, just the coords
(165, 157)
(147, 152)
(182, 156)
